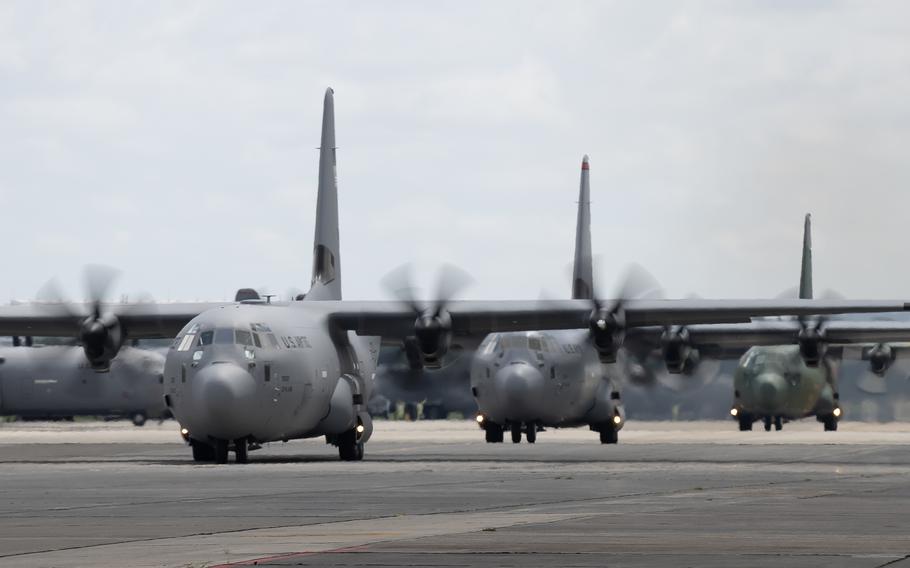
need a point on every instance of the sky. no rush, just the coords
(176, 142)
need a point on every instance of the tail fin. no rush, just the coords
(583, 270)
(805, 275)
(326, 282)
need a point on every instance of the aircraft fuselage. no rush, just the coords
(266, 372)
(551, 378)
(773, 382)
(57, 381)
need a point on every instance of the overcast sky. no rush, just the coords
(176, 141)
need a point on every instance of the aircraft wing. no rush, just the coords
(732, 339)
(142, 320)
(478, 318)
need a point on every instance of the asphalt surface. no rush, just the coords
(698, 494)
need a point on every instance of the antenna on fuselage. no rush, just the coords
(326, 281)
(582, 268)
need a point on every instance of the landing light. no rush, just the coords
(249, 353)
(360, 428)
(837, 412)
(734, 412)
(617, 419)
(184, 432)
(479, 418)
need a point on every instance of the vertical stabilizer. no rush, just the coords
(582, 269)
(326, 282)
(805, 275)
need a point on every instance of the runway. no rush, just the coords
(670, 494)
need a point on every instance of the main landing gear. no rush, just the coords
(830, 422)
(608, 432)
(492, 433)
(745, 421)
(349, 447)
(777, 421)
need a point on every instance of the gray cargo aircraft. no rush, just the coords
(257, 371)
(55, 381)
(789, 368)
(526, 380)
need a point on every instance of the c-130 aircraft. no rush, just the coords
(790, 370)
(559, 378)
(245, 373)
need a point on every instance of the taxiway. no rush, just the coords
(670, 494)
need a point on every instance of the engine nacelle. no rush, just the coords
(608, 331)
(433, 336)
(812, 346)
(101, 337)
(881, 356)
(677, 351)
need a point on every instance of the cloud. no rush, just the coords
(174, 141)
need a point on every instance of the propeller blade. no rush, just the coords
(638, 283)
(52, 299)
(399, 283)
(452, 280)
(98, 282)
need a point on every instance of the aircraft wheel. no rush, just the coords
(830, 423)
(609, 434)
(202, 452)
(241, 451)
(516, 433)
(139, 419)
(778, 423)
(531, 433)
(745, 422)
(349, 449)
(767, 421)
(493, 433)
(221, 451)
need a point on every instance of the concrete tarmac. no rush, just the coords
(433, 494)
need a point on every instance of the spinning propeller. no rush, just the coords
(433, 324)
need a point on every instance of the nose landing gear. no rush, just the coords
(529, 430)
(516, 432)
(218, 450)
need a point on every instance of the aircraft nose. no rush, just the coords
(227, 395)
(520, 388)
(769, 388)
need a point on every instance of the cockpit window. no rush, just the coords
(244, 337)
(205, 338)
(514, 341)
(256, 341)
(534, 343)
(186, 342)
(765, 358)
(224, 336)
(489, 344)
(260, 327)
(273, 341)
